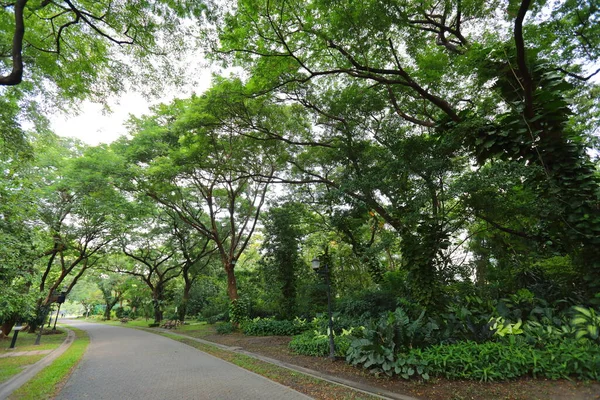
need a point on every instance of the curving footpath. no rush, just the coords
(123, 363)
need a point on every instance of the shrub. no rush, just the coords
(502, 361)
(216, 318)
(376, 345)
(120, 312)
(269, 327)
(239, 310)
(225, 328)
(314, 344)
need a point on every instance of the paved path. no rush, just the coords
(123, 363)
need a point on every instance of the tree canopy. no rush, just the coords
(436, 152)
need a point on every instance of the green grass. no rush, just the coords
(191, 328)
(47, 382)
(10, 366)
(138, 323)
(25, 342)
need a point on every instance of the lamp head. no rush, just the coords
(315, 263)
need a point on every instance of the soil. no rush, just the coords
(437, 389)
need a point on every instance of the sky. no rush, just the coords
(93, 125)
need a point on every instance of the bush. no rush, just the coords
(376, 345)
(270, 327)
(501, 361)
(120, 312)
(217, 318)
(239, 310)
(314, 344)
(225, 328)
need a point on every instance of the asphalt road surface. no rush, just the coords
(129, 364)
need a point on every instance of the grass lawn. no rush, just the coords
(191, 328)
(10, 366)
(49, 380)
(25, 342)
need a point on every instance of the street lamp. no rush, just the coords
(316, 266)
(61, 299)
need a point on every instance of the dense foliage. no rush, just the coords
(439, 158)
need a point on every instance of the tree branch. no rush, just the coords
(525, 75)
(16, 75)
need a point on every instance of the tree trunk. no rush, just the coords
(7, 326)
(184, 302)
(109, 307)
(156, 302)
(231, 282)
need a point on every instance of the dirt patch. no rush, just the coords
(439, 389)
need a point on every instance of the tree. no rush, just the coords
(150, 246)
(199, 158)
(281, 259)
(438, 81)
(197, 253)
(55, 41)
(17, 236)
(78, 211)
(113, 287)
(86, 293)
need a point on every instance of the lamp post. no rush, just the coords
(16, 330)
(316, 266)
(61, 299)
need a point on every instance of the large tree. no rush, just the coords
(200, 159)
(82, 46)
(437, 81)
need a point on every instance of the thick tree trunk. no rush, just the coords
(231, 282)
(157, 300)
(109, 307)
(7, 326)
(184, 302)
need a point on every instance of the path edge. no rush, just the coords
(15, 382)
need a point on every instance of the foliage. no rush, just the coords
(377, 345)
(57, 36)
(586, 323)
(281, 259)
(239, 310)
(269, 327)
(500, 361)
(312, 343)
(502, 328)
(225, 328)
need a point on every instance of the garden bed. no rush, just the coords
(437, 389)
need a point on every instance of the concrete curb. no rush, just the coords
(8, 387)
(373, 391)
